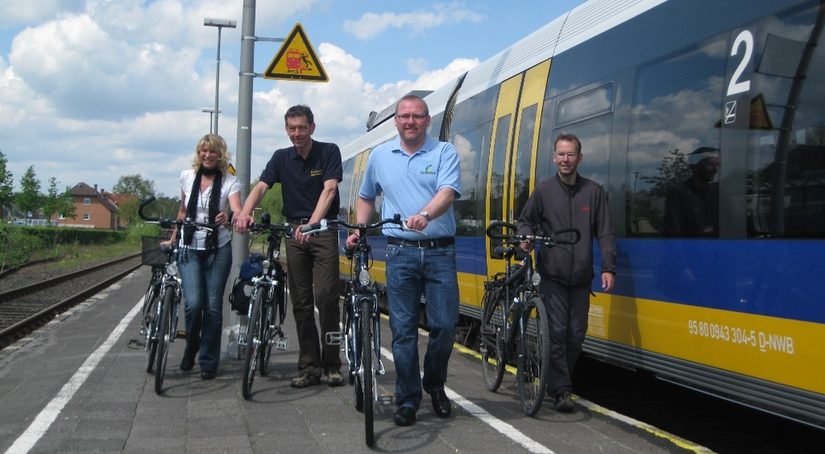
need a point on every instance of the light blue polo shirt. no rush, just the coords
(408, 183)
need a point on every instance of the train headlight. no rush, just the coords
(364, 277)
(536, 279)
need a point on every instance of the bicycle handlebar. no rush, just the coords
(325, 224)
(515, 238)
(169, 223)
(266, 226)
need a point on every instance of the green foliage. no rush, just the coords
(6, 183)
(272, 203)
(51, 200)
(29, 198)
(674, 170)
(65, 235)
(140, 229)
(21, 246)
(135, 185)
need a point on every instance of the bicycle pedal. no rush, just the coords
(334, 337)
(281, 343)
(181, 334)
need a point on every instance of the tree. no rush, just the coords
(135, 185)
(272, 203)
(51, 200)
(6, 184)
(29, 198)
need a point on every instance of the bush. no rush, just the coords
(18, 246)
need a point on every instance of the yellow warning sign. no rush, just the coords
(296, 60)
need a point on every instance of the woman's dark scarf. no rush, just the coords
(214, 206)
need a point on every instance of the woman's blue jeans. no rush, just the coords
(203, 275)
(411, 272)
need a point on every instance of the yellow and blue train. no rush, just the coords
(652, 87)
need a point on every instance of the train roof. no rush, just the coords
(578, 25)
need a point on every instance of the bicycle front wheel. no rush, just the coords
(253, 341)
(368, 374)
(491, 339)
(151, 319)
(534, 355)
(267, 332)
(164, 336)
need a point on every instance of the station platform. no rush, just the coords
(79, 385)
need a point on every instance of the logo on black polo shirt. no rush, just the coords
(316, 173)
(428, 170)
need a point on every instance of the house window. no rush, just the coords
(86, 216)
(87, 201)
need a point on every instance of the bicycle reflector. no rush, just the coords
(364, 277)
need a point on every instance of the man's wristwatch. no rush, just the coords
(425, 214)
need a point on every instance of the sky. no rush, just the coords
(92, 90)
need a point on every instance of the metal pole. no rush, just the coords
(217, 80)
(240, 246)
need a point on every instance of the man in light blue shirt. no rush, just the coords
(419, 179)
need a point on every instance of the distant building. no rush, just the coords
(93, 209)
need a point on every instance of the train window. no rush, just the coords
(434, 129)
(347, 211)
(524, 155)
(497, 178)
(470, 130)
(673, 146)
(586, 105)
(785, 163)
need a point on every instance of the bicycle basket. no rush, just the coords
(239, 298)
(150, 251)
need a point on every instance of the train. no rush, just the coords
(656, 90)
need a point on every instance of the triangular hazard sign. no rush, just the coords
(296, 60)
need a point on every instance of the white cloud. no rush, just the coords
(370, 25)
(23, 12)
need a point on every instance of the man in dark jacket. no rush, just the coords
(562, 201)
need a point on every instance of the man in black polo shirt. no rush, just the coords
(309, 173)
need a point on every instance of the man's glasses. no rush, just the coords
(410, 117)
(567, 155)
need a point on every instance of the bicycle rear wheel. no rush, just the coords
(164, 336)
(368, 374)
(534, 357)
(253, 340)
(151, 317)
(491, 339)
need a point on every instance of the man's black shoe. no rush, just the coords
(207, 374)
(404, 416)
(441, 404)
(187, 363)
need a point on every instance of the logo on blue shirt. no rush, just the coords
(428, 170)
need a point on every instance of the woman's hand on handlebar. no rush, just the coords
(242, 222)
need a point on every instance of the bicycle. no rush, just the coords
(514, 316)
(361, 337)
(165, 319)
(267, 308)
(158, 256)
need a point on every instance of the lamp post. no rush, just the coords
(210, 111)
(219, 23)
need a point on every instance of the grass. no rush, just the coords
(79, 255)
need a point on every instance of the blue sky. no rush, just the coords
(94, 89)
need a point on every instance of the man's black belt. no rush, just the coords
(436, 242)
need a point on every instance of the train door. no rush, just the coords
(348, 192)
(513, 150)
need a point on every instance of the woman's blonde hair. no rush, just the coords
(213, 142)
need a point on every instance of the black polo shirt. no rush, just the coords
(303, 180)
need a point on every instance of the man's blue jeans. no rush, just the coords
(203, 276)
(411, 272)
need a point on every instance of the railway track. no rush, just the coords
(23, 309)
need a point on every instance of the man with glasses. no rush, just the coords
(419, 179)
(562, 201)
(309, 173)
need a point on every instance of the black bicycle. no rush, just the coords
(165, 319)
(158, 256)
(267, 308)
(362, 328)
(514, 318)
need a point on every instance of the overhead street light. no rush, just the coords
(210, 111)
(219, 23)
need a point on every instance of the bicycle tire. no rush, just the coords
(368, 377)
(253, 336)
(164, 337)
(349, 332)
(356, 339)
(268, 332)
(151, 317)
(534, 362)
(491, 339)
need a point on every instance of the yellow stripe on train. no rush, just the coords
(775, 349)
